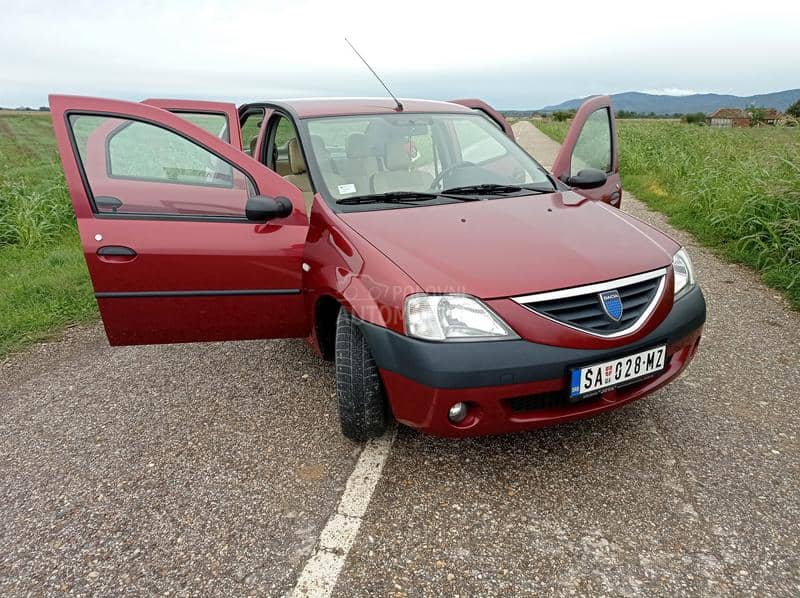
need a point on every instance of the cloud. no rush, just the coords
(513, 53)
(672, 91)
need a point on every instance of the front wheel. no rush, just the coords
(363, 412)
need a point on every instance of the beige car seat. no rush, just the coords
(358, 167)
(398, 175)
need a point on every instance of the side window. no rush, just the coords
(251, 125)
(476, 146)
(284, 132)
(278, 158)
(593, 148)
(216, 124)
(134, 167)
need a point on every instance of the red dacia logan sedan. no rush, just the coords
(459, 287)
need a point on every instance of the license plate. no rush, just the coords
(606, 375)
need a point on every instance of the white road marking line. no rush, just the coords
(322, 570)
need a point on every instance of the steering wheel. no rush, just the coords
(440, 177)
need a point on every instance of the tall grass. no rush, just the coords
(737, 190)
(42, 289)
(44, 284)
(31, 216)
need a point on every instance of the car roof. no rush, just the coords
(311, 107)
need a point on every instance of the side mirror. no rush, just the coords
(260, 208)
(588, 178)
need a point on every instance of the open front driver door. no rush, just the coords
(162, 210)
(591, 142)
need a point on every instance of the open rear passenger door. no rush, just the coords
(591, 142)
(218, 118)
(489, 112)
(186, 237)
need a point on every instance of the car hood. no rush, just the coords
(514, 245)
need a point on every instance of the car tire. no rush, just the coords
(363, 412)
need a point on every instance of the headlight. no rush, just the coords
(452, 317)
(684, 272)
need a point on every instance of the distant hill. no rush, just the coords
(636, 101)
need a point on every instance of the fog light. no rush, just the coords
(457, 413)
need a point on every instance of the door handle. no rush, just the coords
(106, 202)
(116, 253)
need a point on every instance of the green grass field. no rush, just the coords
(736, 190)
(44, 284)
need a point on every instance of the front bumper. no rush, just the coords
(515, 385)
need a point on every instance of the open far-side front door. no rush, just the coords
(218, 118)
(162, 208)
(591, 143)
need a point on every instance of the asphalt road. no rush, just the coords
(212, 469)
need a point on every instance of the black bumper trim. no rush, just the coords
(497, 363)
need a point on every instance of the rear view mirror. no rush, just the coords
(588, 178)
(260, 208)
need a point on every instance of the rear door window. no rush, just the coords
(216, 124)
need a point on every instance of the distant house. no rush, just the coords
(729, 117)
(771, 116)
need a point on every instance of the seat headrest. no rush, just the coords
(297, 163)
(397, 157)
(357, 146)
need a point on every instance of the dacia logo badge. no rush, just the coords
(612, 304)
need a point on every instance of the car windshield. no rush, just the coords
(388, 158)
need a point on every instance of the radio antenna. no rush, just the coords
(389, 91)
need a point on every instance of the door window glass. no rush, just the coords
(251, 126)
(216, 124)
(593, 148)
(284, 131)
(135, 167)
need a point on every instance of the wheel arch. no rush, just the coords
(326, 310)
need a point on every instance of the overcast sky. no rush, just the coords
(513, 54)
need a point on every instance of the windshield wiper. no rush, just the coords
(494, 189)
(396, 197)
(390, 197)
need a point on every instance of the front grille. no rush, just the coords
(582, 307)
